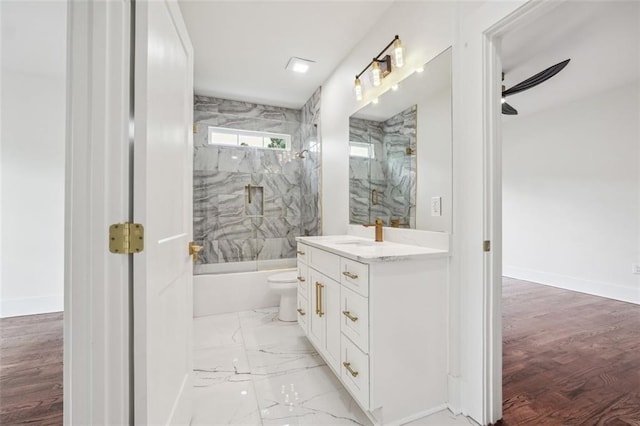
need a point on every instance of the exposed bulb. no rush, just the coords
(419, 69)
(374, 101)
(398, 53)
(376, 73)
(358, 89)
(503, 100)
(395, 87)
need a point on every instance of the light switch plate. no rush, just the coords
(436, 206)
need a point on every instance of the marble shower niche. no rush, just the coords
(283, 184)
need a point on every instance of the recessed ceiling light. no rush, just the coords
(298, 65)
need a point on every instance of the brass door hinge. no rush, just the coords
(486, 245)
(126, 238)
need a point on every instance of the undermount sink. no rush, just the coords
(357, 243)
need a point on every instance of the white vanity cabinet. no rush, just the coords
(380, 324)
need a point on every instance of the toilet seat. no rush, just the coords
(283, 278)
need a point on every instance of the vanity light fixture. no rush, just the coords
(358, 89)
(381, 66)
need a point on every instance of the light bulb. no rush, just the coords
(358, 89)
(395, 87)
(376, 73)
(419, 69)
(374, 101)
(503, 100)
(398, 53)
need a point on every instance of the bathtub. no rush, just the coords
(235, 286)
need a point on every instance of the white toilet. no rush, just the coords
(285, 284)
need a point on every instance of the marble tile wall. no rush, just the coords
(384, 186)
(229, 227)
(310, 117)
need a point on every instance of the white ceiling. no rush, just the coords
(242, 47)
(602, 38)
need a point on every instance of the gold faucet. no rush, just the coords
(378, 225)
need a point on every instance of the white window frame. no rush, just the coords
(266, 136)
(368, 146)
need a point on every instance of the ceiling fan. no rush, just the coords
(528, 84)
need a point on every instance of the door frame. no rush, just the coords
(492, 197)
(97, 283)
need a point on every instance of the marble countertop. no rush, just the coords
(368, 251)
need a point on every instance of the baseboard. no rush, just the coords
(454, 394)
(31, 306)
(595, 288)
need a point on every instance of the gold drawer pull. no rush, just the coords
(347, 365)
(301, 312)
(350, 275)
(348, 315)
(300, 252)
(301, 279)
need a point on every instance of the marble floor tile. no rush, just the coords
(443, 418)
(252, 369)
(306, 397)
(216, 330)
(230, 404)
(218, 365)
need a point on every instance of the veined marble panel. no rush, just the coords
(237, 250)
(205, 158)
(276, 184)
(276, 248)
(212, 183)
(244, 109)
(277, 227)
(230, 205)
(233, 228)
(292, 204)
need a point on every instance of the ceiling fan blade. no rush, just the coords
(508, 109)
(541, 77)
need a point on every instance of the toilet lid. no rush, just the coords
(283, 277)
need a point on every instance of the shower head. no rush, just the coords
(301, 153)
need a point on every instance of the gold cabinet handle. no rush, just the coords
(300, 252)
(348, 315)
(347, 365)
(194, 249)
(350, 275)
(319, 303)
(301, 312)
(301, 279)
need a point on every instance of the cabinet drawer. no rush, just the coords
(355, 318)
(303, 252)
(303, 281)
(355, 275)
(355, 371)
(303, 313)
(325, 262)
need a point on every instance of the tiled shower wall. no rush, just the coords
(229, 227)
(391, 173)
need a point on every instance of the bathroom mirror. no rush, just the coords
(400, 155)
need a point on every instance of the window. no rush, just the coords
(249, 138)
(361, 149)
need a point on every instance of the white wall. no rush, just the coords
(33, 83)
(570, 195)
(434, 157)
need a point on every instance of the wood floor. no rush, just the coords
(569, 358)
(31, 370)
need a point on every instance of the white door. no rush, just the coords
(163, 149)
